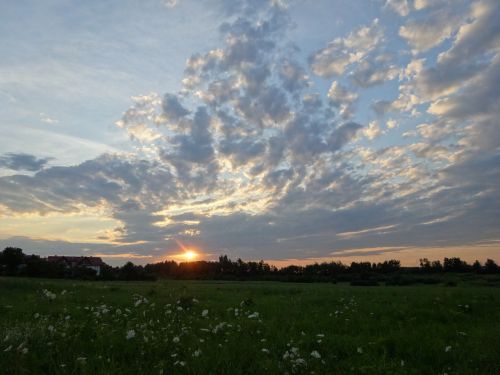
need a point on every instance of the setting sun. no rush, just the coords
(189, 255)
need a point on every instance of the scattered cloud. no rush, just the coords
(341, 52)
(22, 162)
(401, 7)
(260, 153)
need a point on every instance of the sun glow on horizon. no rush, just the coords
(189, 255)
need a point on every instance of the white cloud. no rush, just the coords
(341, 52)
(401, 7)
(431, 30)
(391, 124)
(373, 130)
(48, 120)
(171, 3)
(342, 98)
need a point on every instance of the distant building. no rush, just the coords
(94, 263)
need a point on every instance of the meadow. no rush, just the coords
(215, 327)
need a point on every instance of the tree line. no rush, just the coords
(13, 262)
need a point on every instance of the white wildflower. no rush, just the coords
(360, 350)
(254, 315)
(447, 349)
(315, 354)
(130, 334)
(176, 339)
(264, 350)
(204, 313)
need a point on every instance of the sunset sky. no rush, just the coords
(289, 131)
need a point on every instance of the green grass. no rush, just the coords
(367, 330)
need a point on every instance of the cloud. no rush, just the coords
(372, 131)
(401, 7)
(431, 29)
(341, 52)
(371, 72)
(171, 3)
(23, 162)
(341, 98)
(253, 158)
(467, 56)
(48, 120)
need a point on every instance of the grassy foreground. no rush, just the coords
(209, 327)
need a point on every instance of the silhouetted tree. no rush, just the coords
(455, 265)
(491, 267)
(12, 258)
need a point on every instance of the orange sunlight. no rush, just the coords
(189, 255)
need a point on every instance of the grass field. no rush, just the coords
(209, 327)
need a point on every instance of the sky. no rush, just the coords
(286, 130)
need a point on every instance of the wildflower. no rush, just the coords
(175, 340)
(447, 349)
(315, 354)
(204, 313)
(402, 363)
(360, 350)
(51, 296)
(130, 334)
(8, 348)
(197, 353)
(264, 350)
(81, 359)
(36, 316)
(254, 315)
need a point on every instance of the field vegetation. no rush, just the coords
(229, 327)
